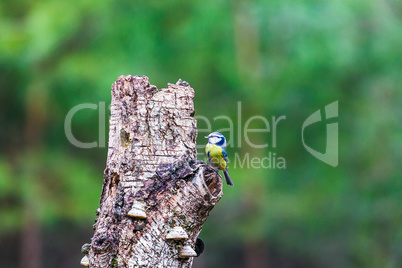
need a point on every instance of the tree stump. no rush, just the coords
(156, 194)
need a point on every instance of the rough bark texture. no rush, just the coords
(152, 167)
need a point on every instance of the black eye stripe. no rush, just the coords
(221, 142)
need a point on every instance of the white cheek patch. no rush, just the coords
(214, 140)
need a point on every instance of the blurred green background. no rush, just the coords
(277, 58)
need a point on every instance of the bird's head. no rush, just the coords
(217, 139)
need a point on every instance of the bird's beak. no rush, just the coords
(206, 137)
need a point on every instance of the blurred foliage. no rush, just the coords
(277, 58)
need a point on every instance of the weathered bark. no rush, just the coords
(153, 180)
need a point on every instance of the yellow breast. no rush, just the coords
(216, 155)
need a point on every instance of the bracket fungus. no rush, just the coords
(187, 252)
(137, 210)
(177, 233)
(85, 261)
(85, 250)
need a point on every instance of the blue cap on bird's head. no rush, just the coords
(216, 138)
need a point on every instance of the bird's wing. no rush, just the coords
(225, 155)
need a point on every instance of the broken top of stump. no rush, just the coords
(146, 121)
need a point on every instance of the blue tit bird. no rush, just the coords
(217, 157)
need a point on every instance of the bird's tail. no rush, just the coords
(227, 178)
